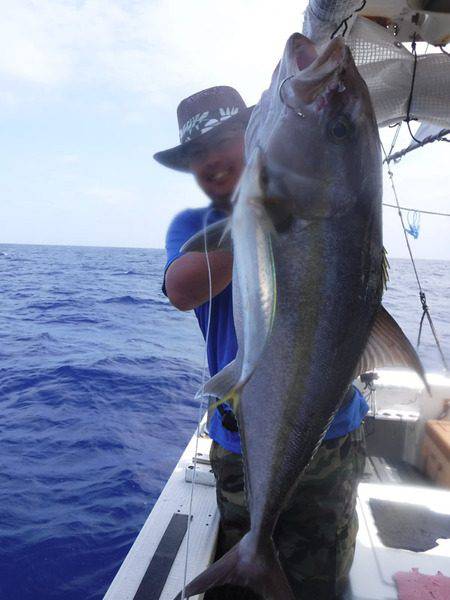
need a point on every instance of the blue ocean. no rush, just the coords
(97, 382)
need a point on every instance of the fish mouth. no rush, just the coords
(319, 75)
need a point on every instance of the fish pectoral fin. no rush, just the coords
(224, 382)
(218, 237)
(388, 346)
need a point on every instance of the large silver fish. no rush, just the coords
(307, 285)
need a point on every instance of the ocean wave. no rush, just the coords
(128, 300)
(73, 320)
(43, 336)
(130, 272)
(50, 305)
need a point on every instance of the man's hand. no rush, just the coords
(187, 282)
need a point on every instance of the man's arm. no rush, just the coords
(187, 281)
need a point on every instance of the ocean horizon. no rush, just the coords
(161, 249)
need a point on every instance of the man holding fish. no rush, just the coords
(301, 320)
(317, 533)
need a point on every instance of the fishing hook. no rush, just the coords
(280, 93)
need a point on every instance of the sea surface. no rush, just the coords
(97, 381)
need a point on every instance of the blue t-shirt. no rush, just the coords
(222, 343)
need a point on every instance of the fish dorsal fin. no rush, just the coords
(388, 346)
(218, 237)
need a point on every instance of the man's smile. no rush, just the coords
(219, 176)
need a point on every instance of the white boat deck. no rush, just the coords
(371, 577)
(374, 564)
(175, 499)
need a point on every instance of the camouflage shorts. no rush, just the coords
(316, 533)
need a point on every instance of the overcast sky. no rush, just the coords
(89, 90)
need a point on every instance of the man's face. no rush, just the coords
(218, 163)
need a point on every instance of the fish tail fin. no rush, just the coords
(259, 571)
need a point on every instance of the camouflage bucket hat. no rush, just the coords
(200, 115)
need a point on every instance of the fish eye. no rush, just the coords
(340, 129)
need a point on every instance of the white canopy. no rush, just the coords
(386, 65)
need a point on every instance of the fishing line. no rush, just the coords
(422, 296)
(345, 21)
(199, 396)
(411, 91)
(408, 119)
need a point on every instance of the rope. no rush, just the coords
(439, 137)
(417, 210)
(388, 158)
(395, 138)
(344, 22)
(422, 296)
(199, 396)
